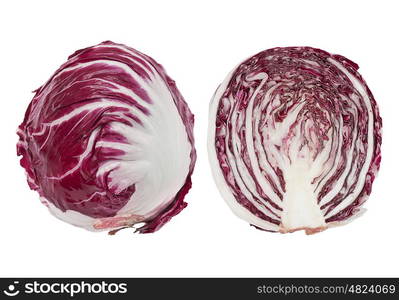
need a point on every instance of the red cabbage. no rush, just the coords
(108, 141)
(294, 140)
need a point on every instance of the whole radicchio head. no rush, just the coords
(108, 142)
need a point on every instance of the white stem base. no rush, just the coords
(300, 208)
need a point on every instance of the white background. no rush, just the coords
(198, 44)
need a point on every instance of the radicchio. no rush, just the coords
(108, 141)
(294, 140)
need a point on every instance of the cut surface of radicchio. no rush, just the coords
(108, 141)
(294, 140)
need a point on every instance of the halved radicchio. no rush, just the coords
(108, 141)
(294, 140)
